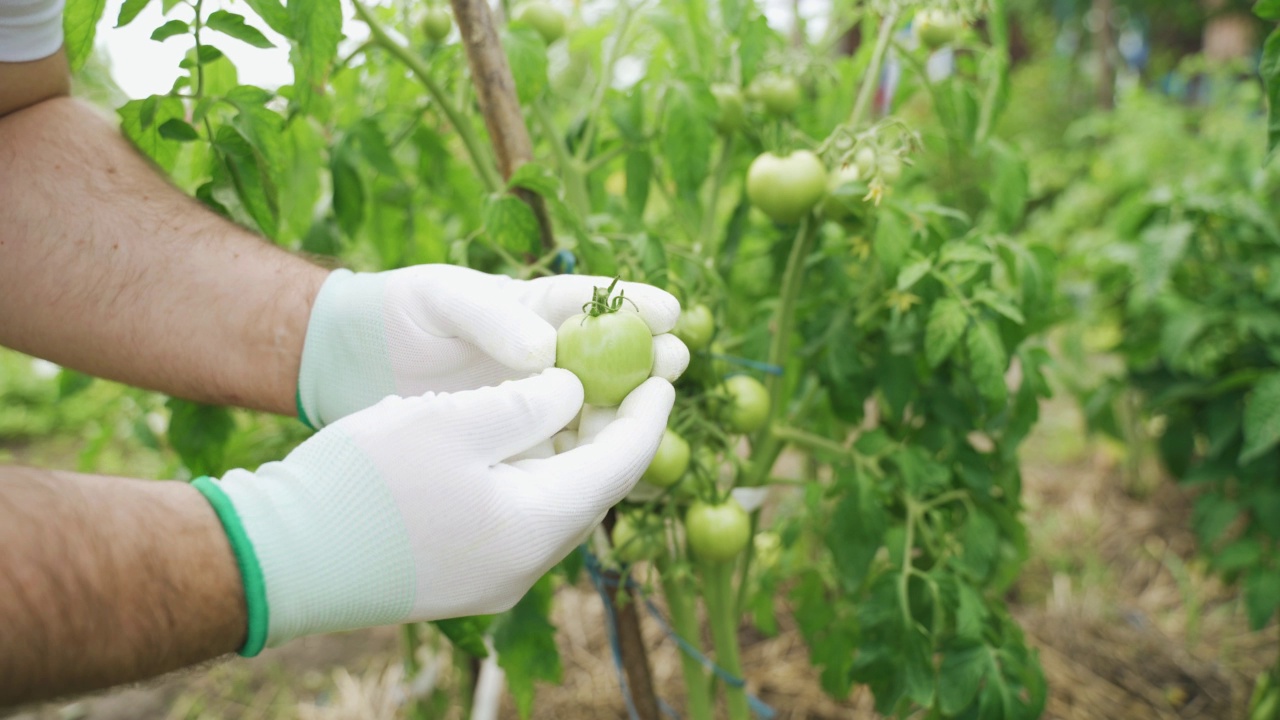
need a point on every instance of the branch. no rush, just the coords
(496, 94)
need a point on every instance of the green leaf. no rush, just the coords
(199, 434)
(959, 678)
(466, 633)
(178, 129)
(273, 14)
(1261, 596)
(688, 134)
(250, 176)
(527, 56)
(1269, 68)
(229, 23)
(971, 613)
(1239, 555)
(140, 121)
(988, 360)
(348, 190)
(639, 171)
(129, 10)
(980, 540)
(1261, 418)
(316, 28)
(79, 24)
(911, 274)
(1160, 249)
(525, 641)
(72, 383)
(653, 258)
(947, 322)
(988, 297)
(169, 29)
(857, 528)
(511, 224)
(535, 177)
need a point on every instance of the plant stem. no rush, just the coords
(482, 162)
(717, 182)
(717, 591)
(810, 441)
(571, 170)
(872, 79)
(409, 636)
(597, 100)
(684, 620)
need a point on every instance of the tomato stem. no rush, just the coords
(717, 592)
(684, 619)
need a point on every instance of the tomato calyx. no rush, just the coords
(603, 301)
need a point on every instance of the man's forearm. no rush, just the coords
(108, 581)
(107, 268)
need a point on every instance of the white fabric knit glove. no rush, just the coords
(411, 510)
(444, 328)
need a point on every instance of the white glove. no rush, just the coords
(410, 510)
(444, 328)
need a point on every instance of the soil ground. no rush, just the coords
(1126, 620)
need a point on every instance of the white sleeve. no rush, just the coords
(29, 29)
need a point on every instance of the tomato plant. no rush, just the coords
(936, 27)
(896, 334)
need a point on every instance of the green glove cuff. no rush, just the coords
(255, 589)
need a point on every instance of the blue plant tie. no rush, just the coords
(763, 367)
(592, 563)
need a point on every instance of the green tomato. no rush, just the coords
(733, 109)
(610, 353)
(541, 16)
(936, 28)
(633, 542)
(865, 162)
(768, 548)
(695, 326)
(780, 94)
(890, 169)
(786, 188)
(669, 463)
(748, 408)
(845, 193)
(436, 24)
(717, 533)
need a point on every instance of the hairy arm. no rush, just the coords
(107, 581)
(108, 269)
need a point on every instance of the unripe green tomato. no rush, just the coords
(733, 109)
(768, 548)
(695, 326)
(890, 169)
(865, 162)
(780, 94)
(610, 353)
(786, 188)
(541, 16)
(748, 408)
(717, 533)
(936, 28)
(845, 193)
(436, 24)
(633, 543)
(669, 463)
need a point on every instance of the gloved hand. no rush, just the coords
(444, 328)
(410, 510)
